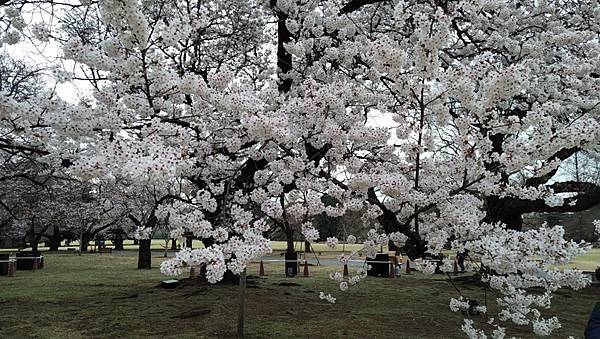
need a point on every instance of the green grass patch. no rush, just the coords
(94, 296)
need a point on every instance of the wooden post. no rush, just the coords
(306, 269)
(12, 268)
(34, 264)
(241, 314)
(80, 241)
(346, 270)
(261, 270)
(455, 267)
(407, 266)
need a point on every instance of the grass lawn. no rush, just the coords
(588, 262)
(96, 296)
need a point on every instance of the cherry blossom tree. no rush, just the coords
(145, 204)
(443, 122)
(38, 204)
(478, 95)
(25, 180)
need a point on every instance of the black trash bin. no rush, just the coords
(4, 263)
(380, 266)
(291, 264)
(25, 260)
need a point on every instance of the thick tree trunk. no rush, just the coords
(291, 256)
(289, 238)
(33, 242)
(54, 244)
(291, 264)
(84, 246)
(145, 254)
(55, 239)
(284, 58)
(189, 242)
(85, 240)
(174, 244)
(118, 244)
(144, 250)
(36, 239)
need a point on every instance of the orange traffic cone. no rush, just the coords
(306, 269)
(261, 269)
(346, 270)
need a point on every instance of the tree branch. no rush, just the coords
(354, 5)
(563, 154)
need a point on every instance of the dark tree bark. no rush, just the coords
(354, 5)
(510, 210)
(145, 254)
(117, 237)
(173, 244)
(118, 242)
(55, 239)
(36, 238)
(144, 249)
(284, 58)
(289, 238)
(54, 243)
(85, 240)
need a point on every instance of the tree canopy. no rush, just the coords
(439, 123)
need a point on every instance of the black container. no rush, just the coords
(25, 260)
(380, 266)
(291, 264)
(4, 263)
